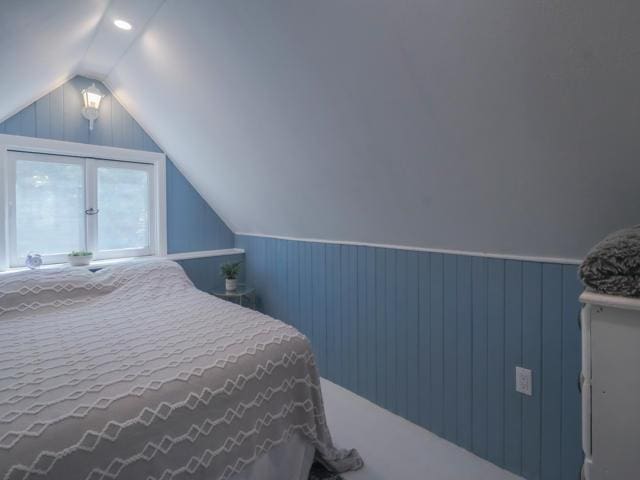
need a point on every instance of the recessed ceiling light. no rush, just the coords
(124, 25)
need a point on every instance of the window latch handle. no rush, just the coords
(91, 211)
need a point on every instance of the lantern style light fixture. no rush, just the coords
(92, 96)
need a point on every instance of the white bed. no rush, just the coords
(133, 373)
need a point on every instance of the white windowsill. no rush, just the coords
(116, 261)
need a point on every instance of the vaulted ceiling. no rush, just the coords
(482, 125)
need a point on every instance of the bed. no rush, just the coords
(132, 373)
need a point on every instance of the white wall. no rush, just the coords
(485, 125)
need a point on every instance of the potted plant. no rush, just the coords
(230, 272)
(79, 258)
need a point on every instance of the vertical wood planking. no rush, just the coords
(436, 338)
(138, 136)
(28, 121)
(334, 331)
(424, 393)
(101, 135)
(450, 348)
(551, 375)
(349, 306)
(127, 128)
(247, 272)
(76, 128)
(258, 249)
(531, 358)
(465, 352)
(319, 318)
(353, 318)
(480, 350)
(362, 337)
(293, 283)
(413, 339)
(391, 329)
(402, 333)
(281, 279)
(271, 290)
(43, 117)
(117, 122)
(381, 332)
(13, 125)
(370, 279)
(513, 358)
(306, 288)
(495, 360)
(201, 229)
(56, 114)
(436, 341)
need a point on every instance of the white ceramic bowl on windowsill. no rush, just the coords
(79, 260)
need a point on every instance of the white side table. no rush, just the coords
(244, 295)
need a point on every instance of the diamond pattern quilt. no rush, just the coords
(132, 373)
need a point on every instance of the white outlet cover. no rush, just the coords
(524, 383)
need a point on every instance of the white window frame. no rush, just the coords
(93, 221)
(10, 169)
(96, 154)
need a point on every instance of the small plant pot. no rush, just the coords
(79, 260)
(230, 284)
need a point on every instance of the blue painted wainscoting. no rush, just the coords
(191, 223)
(436, 338)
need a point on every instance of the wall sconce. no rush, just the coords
(92, 96)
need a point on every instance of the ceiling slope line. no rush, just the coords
(93, 38)
(134, 41)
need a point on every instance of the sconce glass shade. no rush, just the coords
(91, 96)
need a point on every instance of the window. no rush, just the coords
(49, 205)
(124, 208)
(56, 203)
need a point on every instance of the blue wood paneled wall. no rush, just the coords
(191, 223)
(435, 338)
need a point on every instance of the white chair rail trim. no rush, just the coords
(114, 261)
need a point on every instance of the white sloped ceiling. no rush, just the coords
(41, 45)
(489, 126)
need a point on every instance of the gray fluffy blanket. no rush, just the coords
(613, 265)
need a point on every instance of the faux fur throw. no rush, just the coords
(613, 265)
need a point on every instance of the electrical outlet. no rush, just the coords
(524, 383)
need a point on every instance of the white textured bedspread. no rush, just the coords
(132, 373)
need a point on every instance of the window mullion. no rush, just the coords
(10, 170)
(4, 210)
(91, 195)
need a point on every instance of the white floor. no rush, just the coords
(395, 449)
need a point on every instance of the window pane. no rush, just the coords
(123, 201)
(49, 207)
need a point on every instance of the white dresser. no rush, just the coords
(610, 387)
